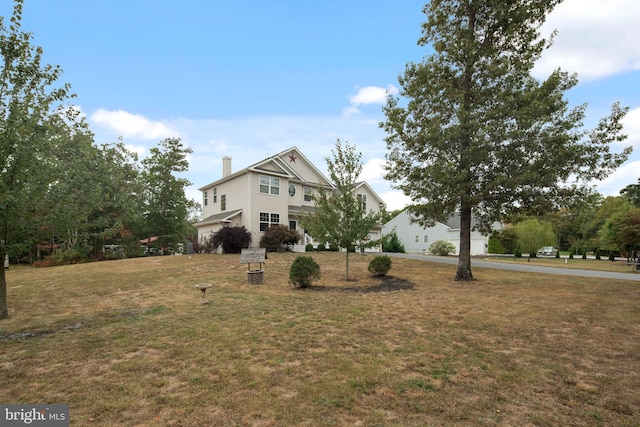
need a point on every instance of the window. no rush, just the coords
(223, 202)
(205, 198)
(307, 194)
(270, 185)
(267, 220)
(215, 195)
(417, 239)
(292, 190)
(362, 199)
(425, 239)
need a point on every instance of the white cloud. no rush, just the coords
(395, 200)
(631, 123)
(129, 125)
(595, 38)
(623, 176)
(368, 95)
(372, 171)
(138, 149)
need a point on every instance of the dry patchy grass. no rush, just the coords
(127, 343)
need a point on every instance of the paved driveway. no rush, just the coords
(525, 267)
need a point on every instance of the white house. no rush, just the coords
(276, 190)
(417, 239)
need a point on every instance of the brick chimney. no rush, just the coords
(226, 166)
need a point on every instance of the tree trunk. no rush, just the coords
(4, 311)
(347, 273)
(464, 255)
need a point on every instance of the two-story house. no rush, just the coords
(276, 190)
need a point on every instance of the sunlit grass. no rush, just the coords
(129, 343)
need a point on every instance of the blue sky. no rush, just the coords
(250, 79)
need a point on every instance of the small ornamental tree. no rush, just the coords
(277, 236)
(231, 239)
(341, 218)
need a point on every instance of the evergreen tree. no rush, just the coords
(166, 205)
(478, 134)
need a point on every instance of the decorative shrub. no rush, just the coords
(308, 248)
(322, 247)
(232, 240)
(380, 265)
(334, 248)
(277, 236)
(303, 272)
(441, 248)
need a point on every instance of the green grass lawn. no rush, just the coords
(128, 343)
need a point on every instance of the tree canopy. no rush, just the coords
(34, 124)
(473, 131)
(340, 218)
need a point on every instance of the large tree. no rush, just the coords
(166, 205)
(534, 234)
(340, 218)
(477, 133)
(33, 120)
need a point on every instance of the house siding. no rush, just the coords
(408, 231)
(242, 190)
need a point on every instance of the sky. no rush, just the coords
(253, 78)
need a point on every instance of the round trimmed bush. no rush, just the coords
(380, 265)
(441, 248)
(303, 272)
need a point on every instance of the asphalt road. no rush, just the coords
(525, 267)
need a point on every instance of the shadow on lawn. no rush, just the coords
(387, 284)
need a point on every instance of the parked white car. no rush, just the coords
(547, 251)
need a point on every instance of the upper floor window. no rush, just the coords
(307, 194)
(205, 196)
(270, 185)
(215, 195)
(362, 199)
(223, 202)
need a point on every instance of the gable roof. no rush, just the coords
(453, 223)
(366, 185)
(275, 165)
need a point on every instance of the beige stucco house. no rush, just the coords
(276, 190)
